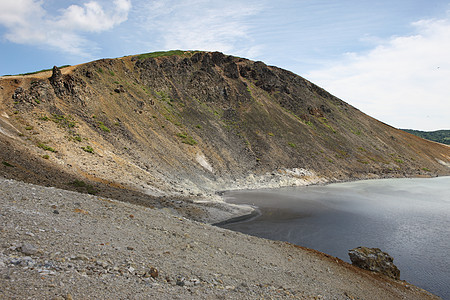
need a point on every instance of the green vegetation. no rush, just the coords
(37, 101)
(426, 169)
(78, 183)
(292, 145)
(112, 73)
(5, 163)
(88, 149)
(165, 97)
(440, 136)
(187, 139)
(399, 161)
(29, 127)
(166, 53)
(76, 137)
(356, 132)
(81, 184)
(40, 71)
(45, 147)
(63, 121)
(103, 127)
(45, 156)
(324, 121)
(270, 134)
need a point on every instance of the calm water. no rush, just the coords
(408, 218)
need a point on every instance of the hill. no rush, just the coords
(165, 133)
(171, 129)
(440, 136)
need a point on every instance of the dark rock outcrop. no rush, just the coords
(375, 260)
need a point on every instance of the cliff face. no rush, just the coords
(144, 127)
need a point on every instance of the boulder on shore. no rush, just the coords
(375, 260)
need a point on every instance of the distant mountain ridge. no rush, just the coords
(169, 129)
(440, 136)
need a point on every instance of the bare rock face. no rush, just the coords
(375, 260)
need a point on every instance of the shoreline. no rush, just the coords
(254, 214)
(266, 199)
(240, 218)
(56, 241)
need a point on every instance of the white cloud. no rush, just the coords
(203, 25)
(403, 82)
(27, 22)
(92, 17)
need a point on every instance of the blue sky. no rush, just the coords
(390, 59)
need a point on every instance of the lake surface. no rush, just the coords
(407, 218)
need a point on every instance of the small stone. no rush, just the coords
(81, 257)
(153, 272)
(56, 212)
(15, 261)
(69, 297)
(181, 281)
(102, 263)
(130, 248)
(28, 249)
(28, 261)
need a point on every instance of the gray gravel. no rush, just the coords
(56, 244)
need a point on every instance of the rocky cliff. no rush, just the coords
(170, 129)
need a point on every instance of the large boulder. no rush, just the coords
(375, 260)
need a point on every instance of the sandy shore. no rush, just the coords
(57, 244)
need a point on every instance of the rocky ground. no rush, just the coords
(57, 244)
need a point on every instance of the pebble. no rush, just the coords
(28, 249)
(153, 272)
(180, 281)
(102, 263)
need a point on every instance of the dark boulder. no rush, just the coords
(375, 260)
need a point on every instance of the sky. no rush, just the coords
(390, 59)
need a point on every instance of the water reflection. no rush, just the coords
(408, 218)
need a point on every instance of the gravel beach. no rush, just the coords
(57, 244)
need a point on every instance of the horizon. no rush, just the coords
(389, 60)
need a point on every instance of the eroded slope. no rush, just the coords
(150, 130)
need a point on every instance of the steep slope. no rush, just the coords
(152, 128)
